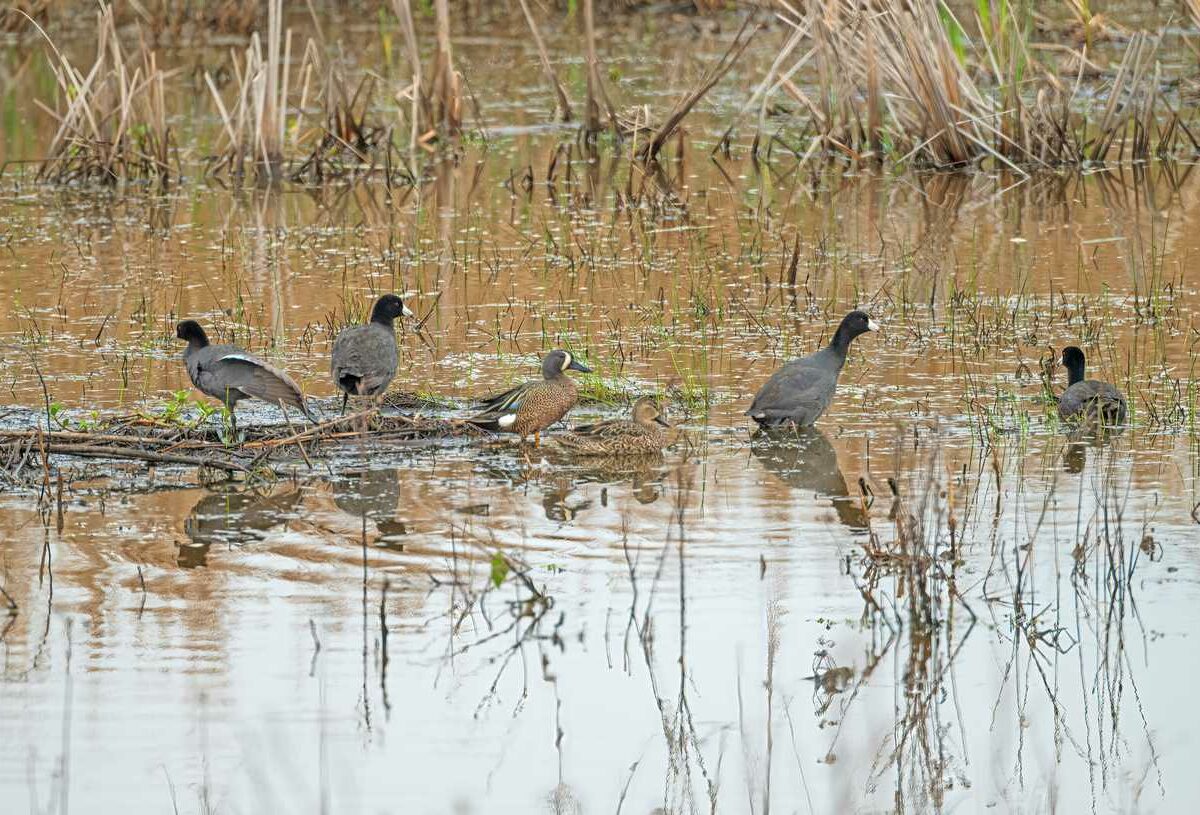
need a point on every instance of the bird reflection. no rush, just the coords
(561, 477)
(643, 474)
(233, 518)
(805, 460)
(1074, 458)
(1074, 454)
(375, 495)
(556, 503)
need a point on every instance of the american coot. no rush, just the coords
(1088, 400)
(231, 374)
(532, 407)
(643, 433)
(800, 392)
(364, 356)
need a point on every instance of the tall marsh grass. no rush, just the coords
(112, 119)
(912, 83)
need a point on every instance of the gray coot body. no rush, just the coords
(1088, 400)
(801, 391)
(231, 374)
(364, 356)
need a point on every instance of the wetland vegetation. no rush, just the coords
(941, 597)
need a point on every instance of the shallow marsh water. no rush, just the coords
(725, 628)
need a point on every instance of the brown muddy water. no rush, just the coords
(741, 626)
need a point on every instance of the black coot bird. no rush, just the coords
(800, 392)
(1088, 400)
(364, 356)
(231, 374)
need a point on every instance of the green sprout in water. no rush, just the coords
(176, 412)
(499, 569)
(59, 417)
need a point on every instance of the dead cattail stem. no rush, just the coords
(592, 115)
(446, 90)
(256, 123)
(596, 91)
(711, 77)
(562, 104)
(418, 114)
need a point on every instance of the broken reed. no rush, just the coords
(26, 453)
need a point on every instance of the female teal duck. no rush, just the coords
(641, 434)
(531, 408)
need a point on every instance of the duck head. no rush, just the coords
(558, 362)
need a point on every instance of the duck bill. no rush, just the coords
(405, 311)
(873, 326)
(576, 365)
(662, 421)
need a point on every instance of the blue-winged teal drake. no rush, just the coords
(1088, 400)
(531, 408)
(801, 391)
(643, 433)
(231, 374)
(364, 357)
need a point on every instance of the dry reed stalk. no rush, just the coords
(419, 112)
(114, 125)
(562, 103)
(596, 92)
(689, 100)
(591, 122)
(446, 88)
(1193, 10)
(256, 123)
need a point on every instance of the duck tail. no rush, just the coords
(487, 421)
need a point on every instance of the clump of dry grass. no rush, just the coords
(255, 122)
(436, 97)
(904, 80)
(264, 125)
(347, 142)
(112, 121)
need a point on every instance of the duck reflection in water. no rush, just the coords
(233, 518)
(642, 475)
(374, 495)
(805, 460)
(564, 479)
